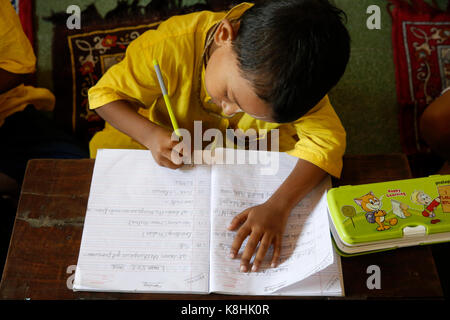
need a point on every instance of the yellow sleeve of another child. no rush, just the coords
(17, 56)
(16, 52)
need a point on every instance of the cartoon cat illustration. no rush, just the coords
(372, 206)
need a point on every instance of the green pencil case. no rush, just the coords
(387, 215)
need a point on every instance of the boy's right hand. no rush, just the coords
(161, 145)
(124, 116)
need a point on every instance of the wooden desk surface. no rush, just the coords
(49, 222)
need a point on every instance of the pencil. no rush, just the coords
(166, 97)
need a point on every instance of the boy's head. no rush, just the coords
(279, 60)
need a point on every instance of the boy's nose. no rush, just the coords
(230, 109)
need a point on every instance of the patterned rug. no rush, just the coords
(421, 44)
(81, 57)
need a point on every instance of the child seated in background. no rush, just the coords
(263, 66)
(25, 131)
(435, 128)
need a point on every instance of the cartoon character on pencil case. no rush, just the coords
(400, 209)
(372, 206)
(429, 204)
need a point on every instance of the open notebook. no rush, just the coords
(153, 229)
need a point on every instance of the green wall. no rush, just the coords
(365, 98)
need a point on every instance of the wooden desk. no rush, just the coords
(49, 223)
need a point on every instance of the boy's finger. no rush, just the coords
(178, 146)
(176, 158)
(169, 164)
(237, 242)
(252, 243)
(238, 220)
(262, 250)
(276, 251)
(172, 157)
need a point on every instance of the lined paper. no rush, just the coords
(306, 246)
(146, 227)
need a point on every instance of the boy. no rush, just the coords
(267, 66)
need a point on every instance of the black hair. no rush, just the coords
(292, 52)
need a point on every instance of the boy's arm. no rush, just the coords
(265, 223)
(320, 149)
(123, 115)
(128, 85)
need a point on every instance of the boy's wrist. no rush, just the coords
(280, 204)
(149, 134)
(302, 180)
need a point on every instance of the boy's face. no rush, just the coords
(224, 82)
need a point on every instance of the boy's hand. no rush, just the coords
(161, 145)
(264, 224)
(123, 115)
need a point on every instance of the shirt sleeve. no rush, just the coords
(16, 52)
(322, 138)
(133, 78)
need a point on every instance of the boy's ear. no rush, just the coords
(226, 32)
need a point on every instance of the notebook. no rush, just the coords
(152, 229)
(387, 215)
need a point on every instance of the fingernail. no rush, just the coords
(232, 255)
(273, 265)
(243, 268)
(254, 268)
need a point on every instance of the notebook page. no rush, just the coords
(146, 227)
(306, 247)
(327, 282)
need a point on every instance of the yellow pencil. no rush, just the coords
(166, 97)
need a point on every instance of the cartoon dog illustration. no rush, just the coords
(372, 206)
(421, 198)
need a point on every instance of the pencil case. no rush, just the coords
(387, 215)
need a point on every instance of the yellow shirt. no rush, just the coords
(178, 44)
(17, 56)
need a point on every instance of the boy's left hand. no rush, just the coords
(264, 224)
